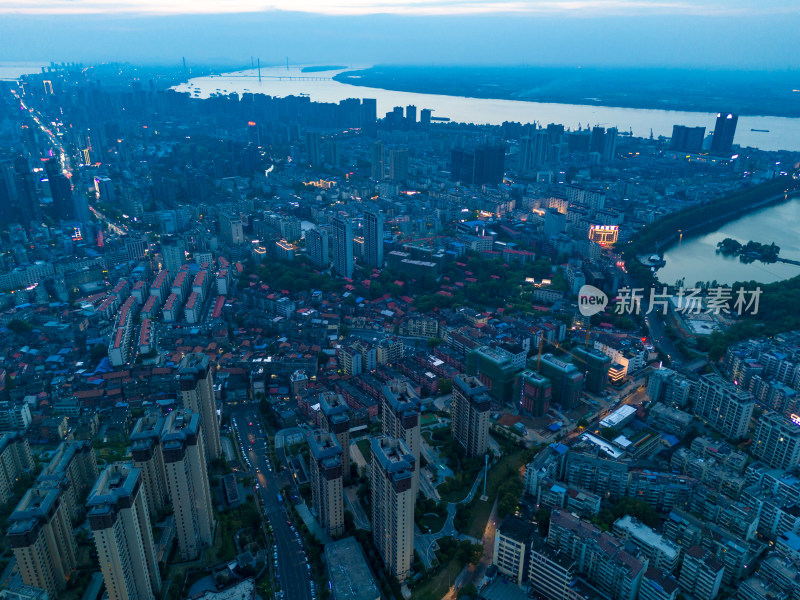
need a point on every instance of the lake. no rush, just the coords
(783, 133)
(696, 259)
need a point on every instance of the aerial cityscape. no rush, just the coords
(353, 328)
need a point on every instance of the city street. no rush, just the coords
(294, 579)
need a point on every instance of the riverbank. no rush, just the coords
(743, 92)
(783, 133)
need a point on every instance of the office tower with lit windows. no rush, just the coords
(40, 534)
(123, 535)
(104, 189)
(317, 246)
(471, 404)
(147, 457)
(335, 419)
(393, 469)
(197, 392)
(327, 476)
(401, 418)
(187, 482)
(343, 246)
(373, 238)
(724, 131)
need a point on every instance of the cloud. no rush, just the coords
(403, 7)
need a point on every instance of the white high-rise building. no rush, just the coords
(123, 537)
(471, 404)
(327, 476)
(392, 472)
(334, 414)
(401, 419)
(197, 393)
(147, 457)
(187, 482)
(40, 534)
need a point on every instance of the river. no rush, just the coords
(783, 133)
(10, 71)
(696, 259)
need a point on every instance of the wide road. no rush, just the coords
(657, 333)
(294, 577)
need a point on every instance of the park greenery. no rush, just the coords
(639, 509)
(749, 252)
(19, 326)
(508, 496)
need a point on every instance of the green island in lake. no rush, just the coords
(749, 252)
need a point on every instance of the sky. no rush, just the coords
(752, 34)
